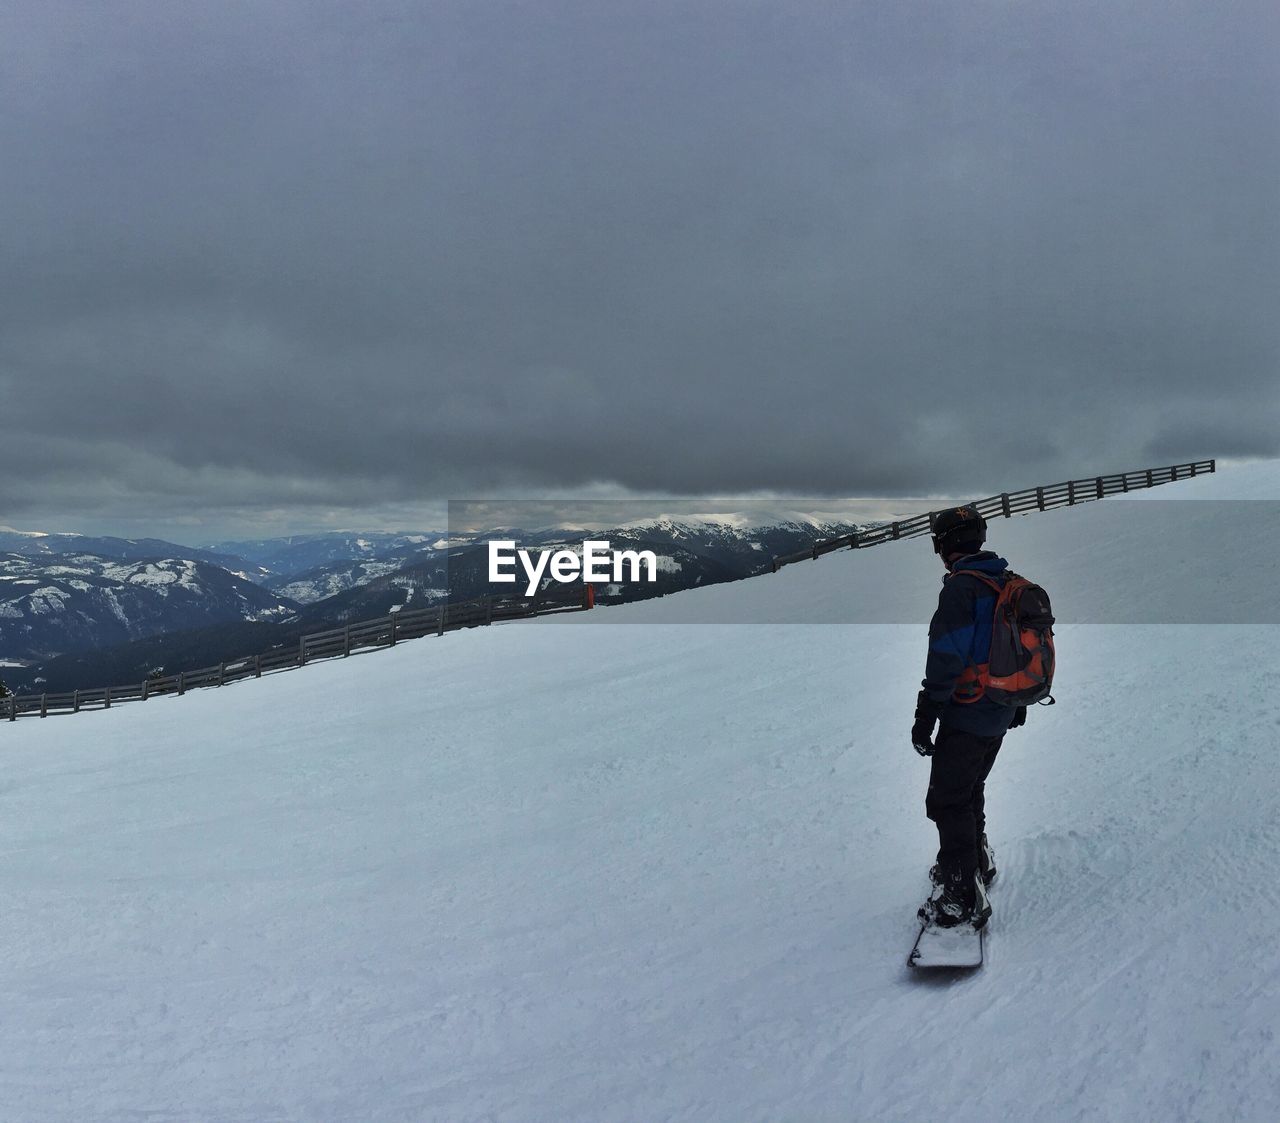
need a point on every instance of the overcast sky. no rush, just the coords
(273, 266)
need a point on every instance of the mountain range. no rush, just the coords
(56, 603)
(77, 611)
(37, 544)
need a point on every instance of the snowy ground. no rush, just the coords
(609, 869)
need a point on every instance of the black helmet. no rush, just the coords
(957, 528)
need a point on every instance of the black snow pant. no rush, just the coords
(961, 763)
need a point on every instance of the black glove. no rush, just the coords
(927, 713)
(1019, 717)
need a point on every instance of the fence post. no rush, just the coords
(44, 705)
(302, 651)
(107, 699)
(1040, 498)
(75, 701)
(440, 632)
(346, 641)
(146, 689)
(1071, 493)
(1004, 504)
(13, 707)
(222, 673)
(1150, 482)
(1099, 487)
(488, 609)
(1213, 464)
(182, 682)
(257, 666)
(394, 617)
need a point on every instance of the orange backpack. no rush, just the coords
(1019, 669)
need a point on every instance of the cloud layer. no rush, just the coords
(277, 264)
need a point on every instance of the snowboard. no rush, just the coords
(958, 947)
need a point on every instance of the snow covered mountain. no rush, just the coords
(313, 567)
(37, 544)
(405, 570)
(300, 553)
(333, 578)
(613, 866)
(702, 550)
(54, 603)
(732, 543)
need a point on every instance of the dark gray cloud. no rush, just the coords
(290, 263)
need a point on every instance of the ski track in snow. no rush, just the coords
(547, 871)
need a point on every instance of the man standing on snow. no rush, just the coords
(972, 727)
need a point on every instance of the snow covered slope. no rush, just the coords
(619, 869)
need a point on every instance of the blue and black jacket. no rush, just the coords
(960, 637)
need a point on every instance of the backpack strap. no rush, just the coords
(969, 685)
(985, 578)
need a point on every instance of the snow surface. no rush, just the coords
(599, 868)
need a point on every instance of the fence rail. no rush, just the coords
(384, 631)
(1010, 503)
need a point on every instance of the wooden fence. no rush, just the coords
(1010, 503)
(385, 631)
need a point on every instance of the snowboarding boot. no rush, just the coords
(986, 864)
(959, 899)
(986, 860)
